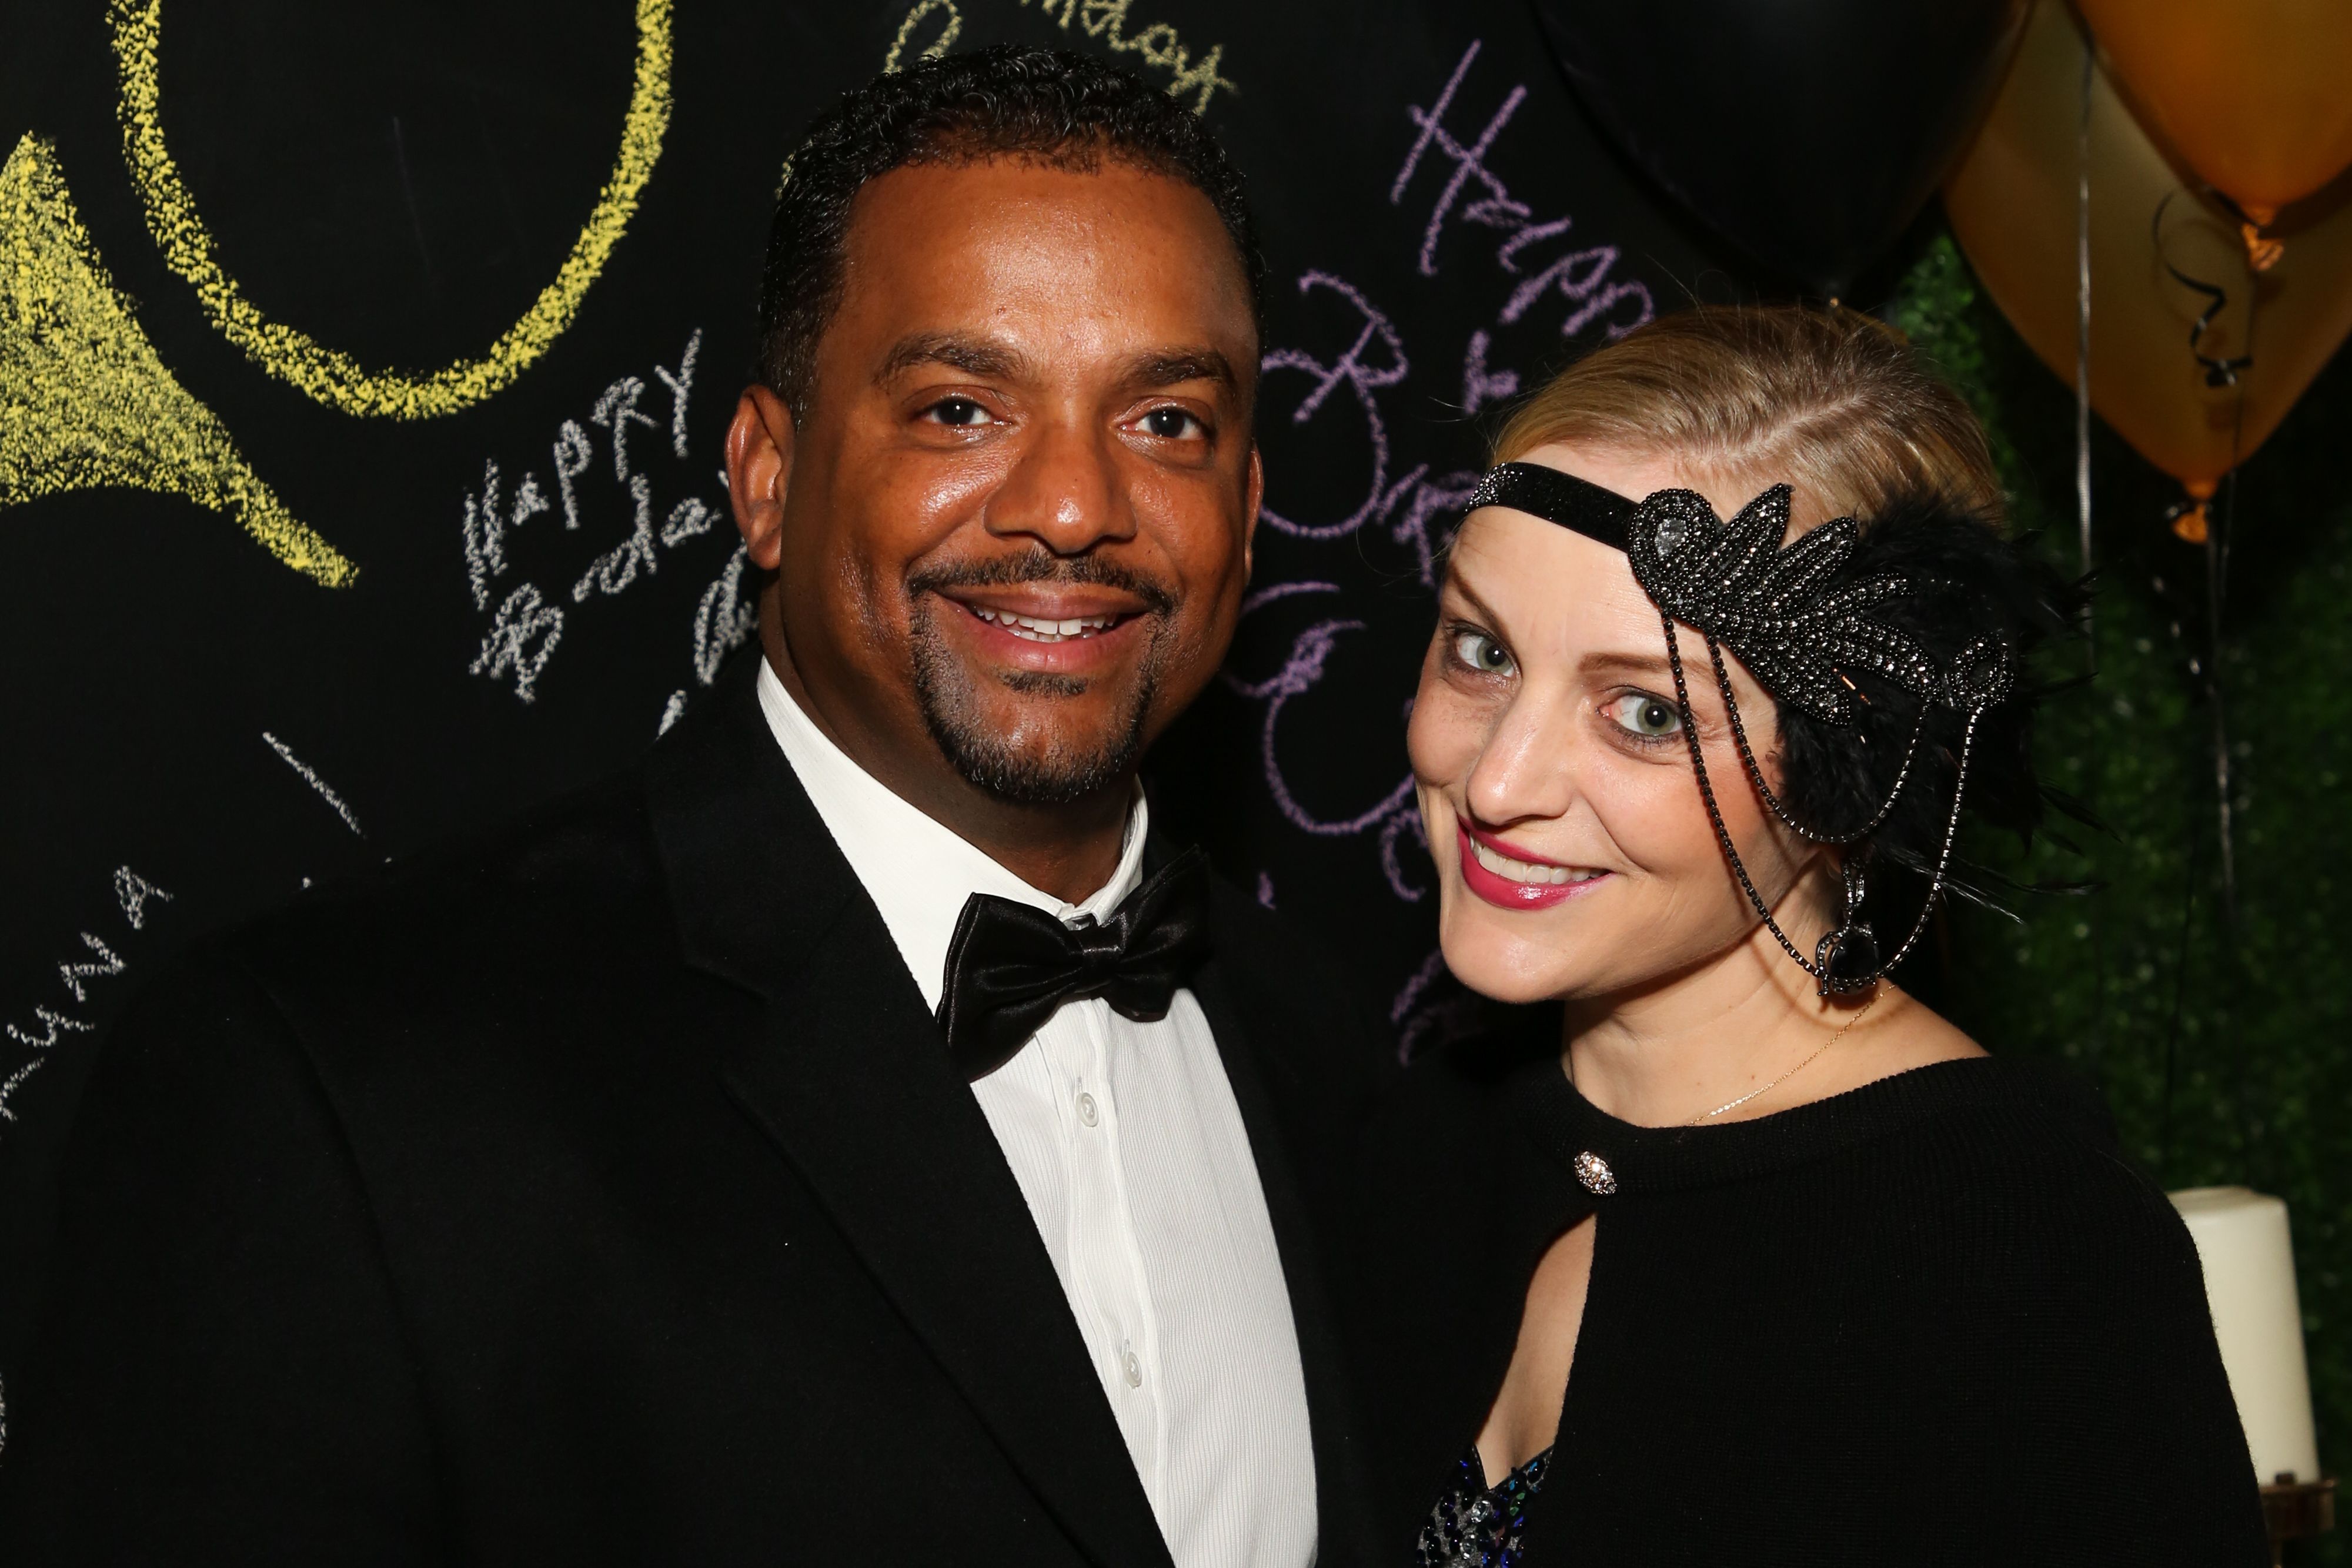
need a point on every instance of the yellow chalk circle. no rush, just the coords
(333, 378)
(85, 402)
(950, 30)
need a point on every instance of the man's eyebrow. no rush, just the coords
(973, 356)
(1171, 367)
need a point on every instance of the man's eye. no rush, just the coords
(1649, 717)
(1172, 424)
(960, 412)
(1481, 652)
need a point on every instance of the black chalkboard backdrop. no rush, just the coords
(241, 216)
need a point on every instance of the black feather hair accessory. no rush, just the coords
(1880, 642)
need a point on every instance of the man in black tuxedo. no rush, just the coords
(847, 1137)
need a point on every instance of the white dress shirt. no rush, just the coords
(1128, 1144)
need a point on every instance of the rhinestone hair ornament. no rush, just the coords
(1797, 628)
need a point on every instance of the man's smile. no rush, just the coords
(1065, 629)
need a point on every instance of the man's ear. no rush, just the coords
(760, 473)
(1252, 498)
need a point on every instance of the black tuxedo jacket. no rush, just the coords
(601, 1193)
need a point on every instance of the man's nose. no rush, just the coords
(1066, 492)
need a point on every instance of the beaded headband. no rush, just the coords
(1797, 628)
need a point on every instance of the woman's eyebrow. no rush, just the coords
(1485, 610)
(1626, 664)
(1608, 662)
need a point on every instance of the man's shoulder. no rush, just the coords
(543, 894)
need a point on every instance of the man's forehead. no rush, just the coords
(999, 225)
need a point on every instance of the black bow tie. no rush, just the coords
(1011, 965)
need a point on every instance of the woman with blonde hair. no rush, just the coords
(1763, 1261)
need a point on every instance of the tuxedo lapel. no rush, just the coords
(849, 1079)
(1339, 1494)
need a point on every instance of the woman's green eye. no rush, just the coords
(1482, 654)
(1652, 718)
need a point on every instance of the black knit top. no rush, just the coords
(1935, 1320)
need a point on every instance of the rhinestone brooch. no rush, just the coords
(1594, 1173)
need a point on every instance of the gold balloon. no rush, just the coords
(2012, 202)
(2251, 92)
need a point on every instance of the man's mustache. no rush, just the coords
(1043, 566)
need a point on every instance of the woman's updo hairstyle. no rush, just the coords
(1839, 406)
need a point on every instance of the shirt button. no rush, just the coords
(1088, 1114)
(1132, 1365)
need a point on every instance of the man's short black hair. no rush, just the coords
(1054, 106)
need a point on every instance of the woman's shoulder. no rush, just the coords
(2018, 1165)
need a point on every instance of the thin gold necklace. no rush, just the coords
(1752, 1093)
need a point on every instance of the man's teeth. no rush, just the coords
(1520, 871)
(1031, 628)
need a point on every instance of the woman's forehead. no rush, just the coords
(1728, 485)
(1631, 474)
(1551, 586)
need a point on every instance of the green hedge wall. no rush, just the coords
(2222, 1043)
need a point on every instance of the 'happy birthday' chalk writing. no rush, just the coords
(528, 624)
(1450, 158)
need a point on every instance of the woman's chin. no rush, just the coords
(1501, 964)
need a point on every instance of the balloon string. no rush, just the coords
(2217, 587)
(2217, 373)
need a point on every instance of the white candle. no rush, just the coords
(2242, 1240)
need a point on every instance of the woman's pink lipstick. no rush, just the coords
(1501, 890)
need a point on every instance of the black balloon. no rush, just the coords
(1807, 132)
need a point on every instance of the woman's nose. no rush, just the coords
(1527, 766)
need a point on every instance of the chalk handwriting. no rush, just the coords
(132, 891)
(616, 411)
(95, 960)
(1430, 1006)
(1394, 814)
(487, 528)
(723, 621)
(1481, 386)
(680, 383)
(686, 519)
(75, 975)
(528, 623)
(617, 568)
(1537, 266)
(316, 783)
(50, 1023)
(1158, 46)
(1582, 277)
(1494, 209)
(1364, 378)
(520, 640)
(572, 456)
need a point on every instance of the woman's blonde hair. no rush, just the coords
(1836, 404)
